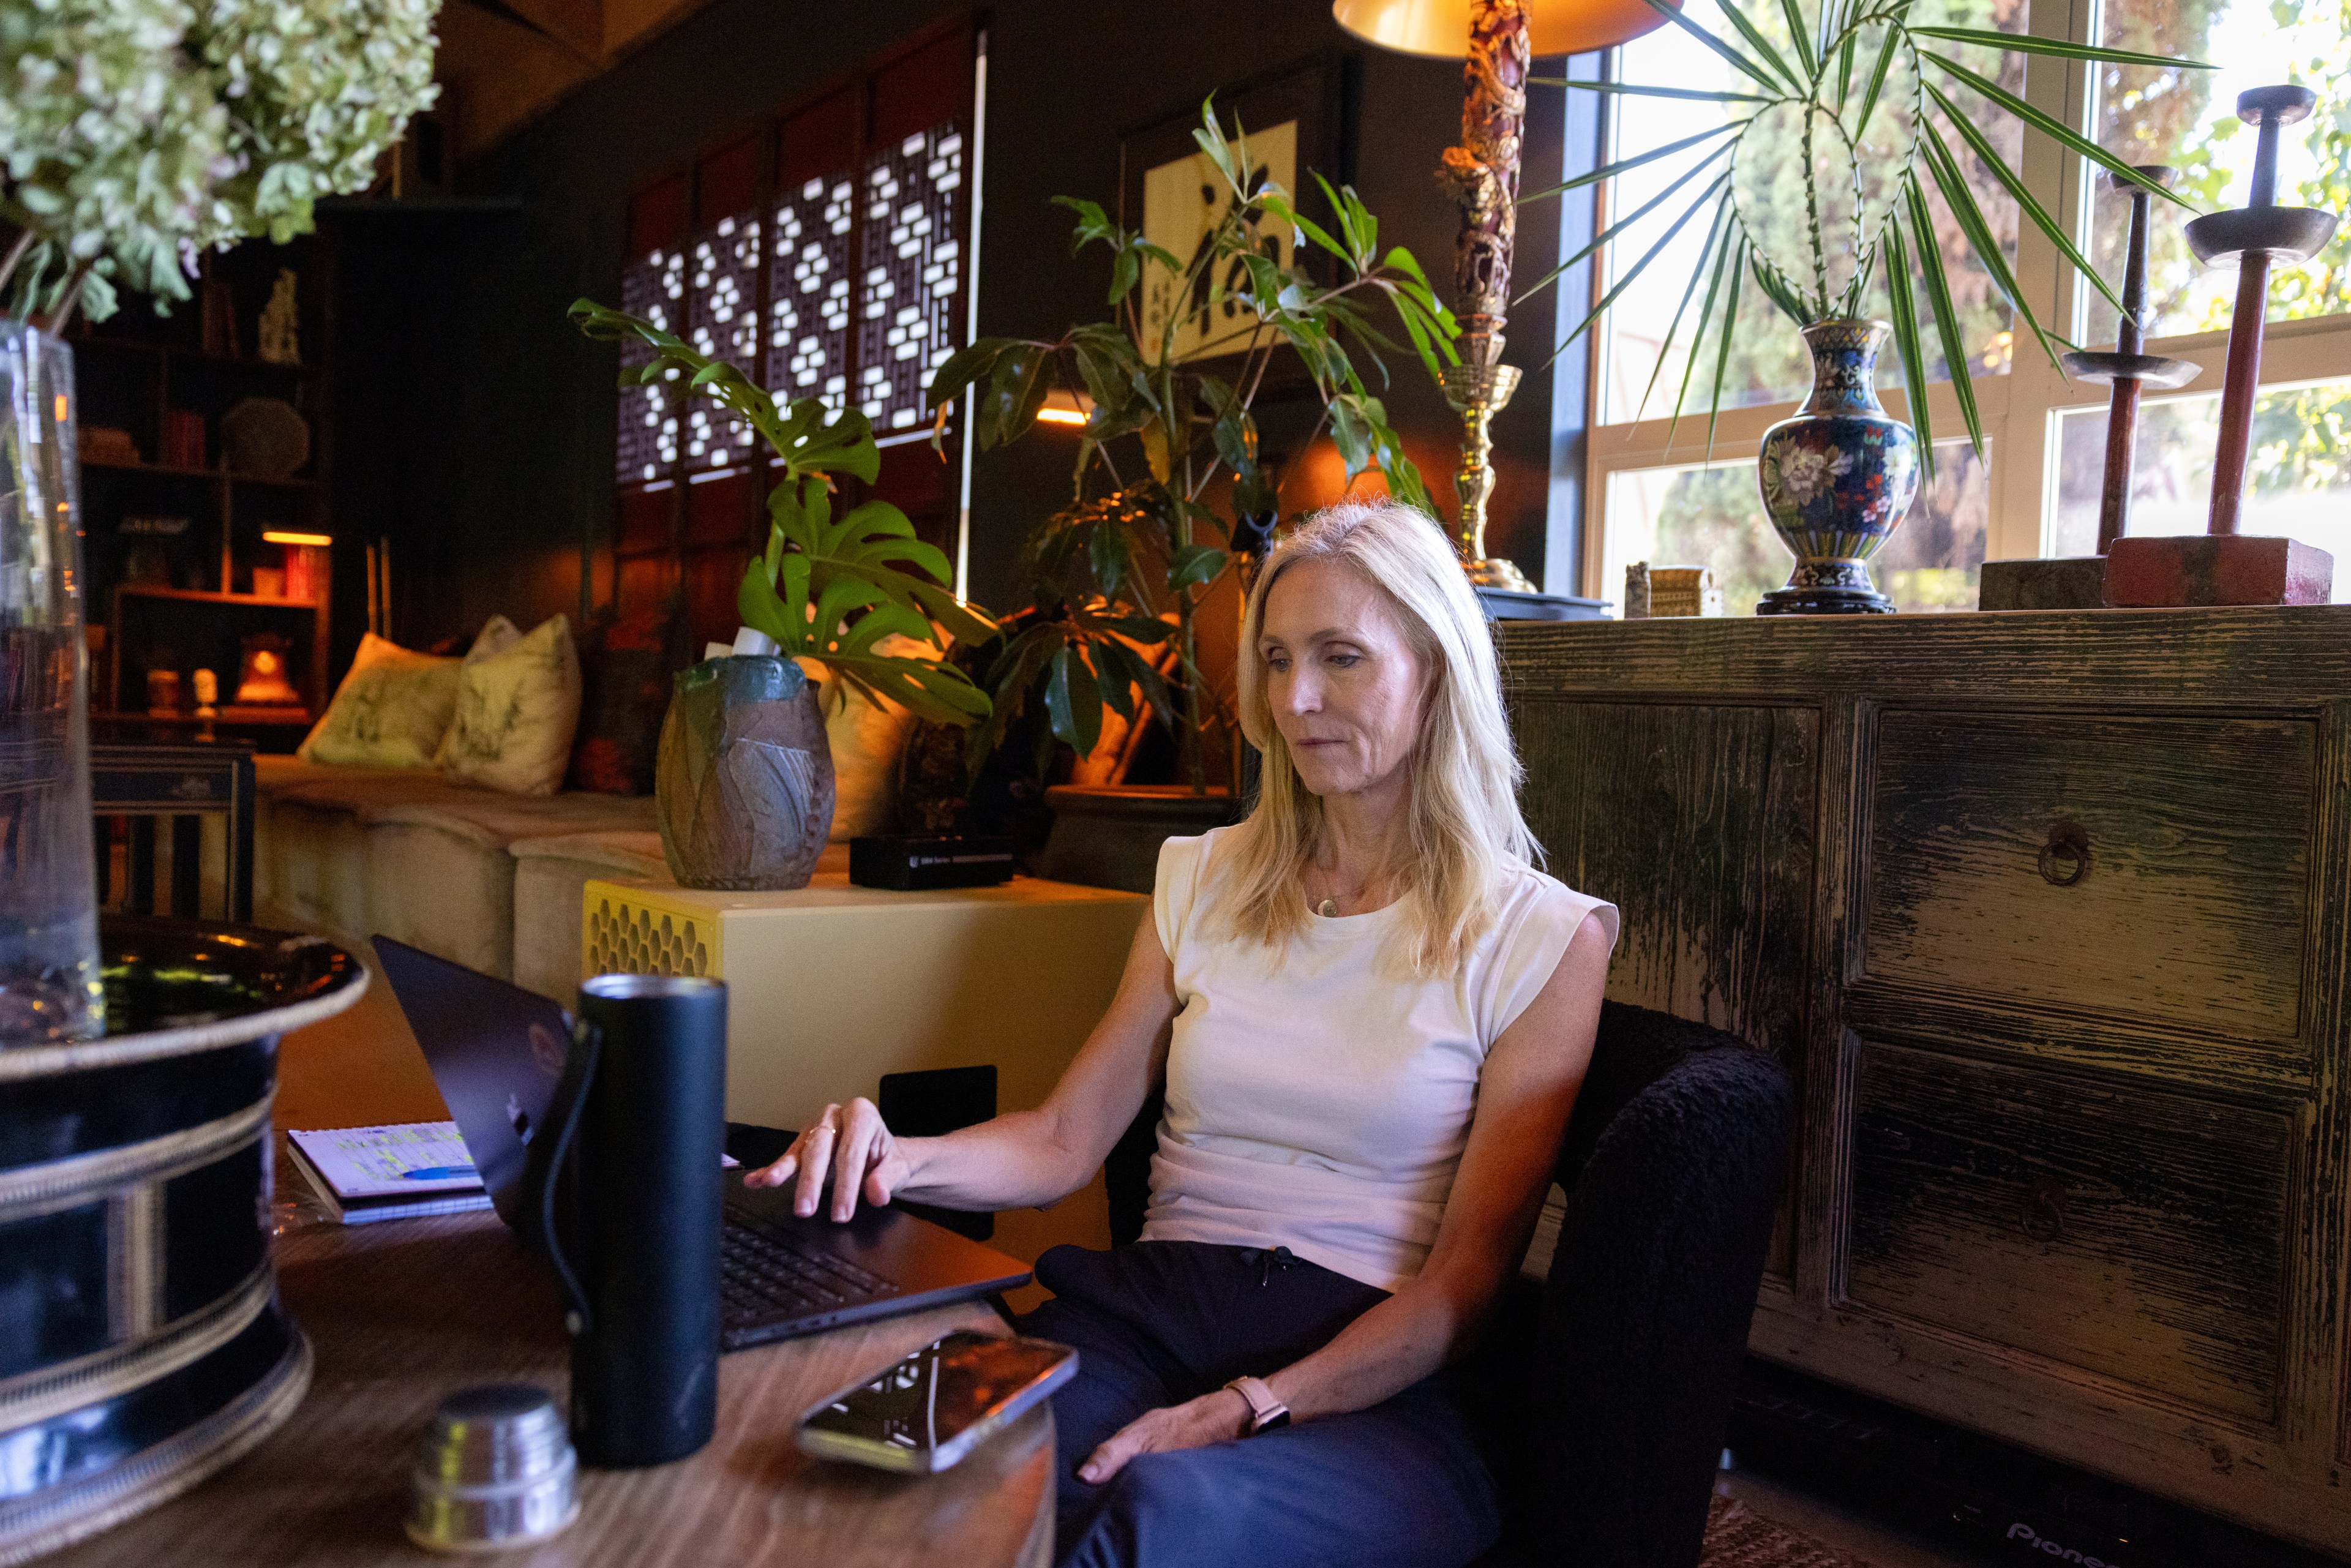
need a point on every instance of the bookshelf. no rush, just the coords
(174, 543)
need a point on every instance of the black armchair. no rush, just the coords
(1606, 1393)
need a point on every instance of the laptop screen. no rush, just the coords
(497, 1052)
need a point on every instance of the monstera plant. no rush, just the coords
(825, 589)
(744, 774)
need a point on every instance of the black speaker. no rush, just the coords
(633, 1142)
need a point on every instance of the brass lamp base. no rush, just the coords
(1478, 393)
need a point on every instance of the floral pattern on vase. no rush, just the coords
(1838, 478)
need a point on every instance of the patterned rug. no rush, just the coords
(1737, 1537)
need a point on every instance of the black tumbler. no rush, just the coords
(639, 1126)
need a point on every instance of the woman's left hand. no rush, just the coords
(1212, 1418)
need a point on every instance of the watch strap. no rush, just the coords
(1266, 1412)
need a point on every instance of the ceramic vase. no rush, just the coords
(744, 777)
(49, 988)
(1838, 478)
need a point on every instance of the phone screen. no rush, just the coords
(914, 1414)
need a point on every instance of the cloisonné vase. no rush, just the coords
(1838, 478)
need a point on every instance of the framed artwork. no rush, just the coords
(1296, 123)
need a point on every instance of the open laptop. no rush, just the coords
(497, 1051)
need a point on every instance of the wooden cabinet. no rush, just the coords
(2048, 913)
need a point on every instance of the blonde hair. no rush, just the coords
(1464, 838)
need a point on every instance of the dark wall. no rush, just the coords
(519, 410)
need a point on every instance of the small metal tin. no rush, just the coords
(493, 1471)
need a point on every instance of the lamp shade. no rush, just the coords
(1441, 27)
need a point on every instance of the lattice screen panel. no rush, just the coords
(654, 288)
(723, 322)
(808, 293)
(911, 268)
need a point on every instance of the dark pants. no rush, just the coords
(1159, 1322)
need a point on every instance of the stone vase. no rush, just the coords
(1838, 478)
(744, 777)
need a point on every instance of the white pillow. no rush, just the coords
(517, 707)
(393, 710)
(867, 740)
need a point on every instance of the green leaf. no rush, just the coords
(1763, 76)
(1715, 242)
(2063, 49)
(2026, 204)
(1195, 564)
(1906, 341)
(1946, 317)
(1780, 291)
(1722, 351)
(1016, 390)
(2057, 131)
(1876, 81)
(1627, 220)
(1625, 164)
(1625, 280)
(1762, 46)
(1695, 94)
(1794, 15)
(1721, 239)
(1959, 198)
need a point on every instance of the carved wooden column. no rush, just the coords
(1484, 173)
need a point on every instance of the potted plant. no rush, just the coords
(744, 776)
(1170, 492)
(1816, 186)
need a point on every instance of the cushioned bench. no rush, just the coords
(352, 851)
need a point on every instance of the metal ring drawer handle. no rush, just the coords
(2065, 858)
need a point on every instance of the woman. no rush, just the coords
(1371, 1015)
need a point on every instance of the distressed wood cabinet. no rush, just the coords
(2048, 913)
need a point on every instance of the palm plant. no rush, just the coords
(1170, 432)
(1863, 94)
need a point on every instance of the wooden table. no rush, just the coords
(404, 1312)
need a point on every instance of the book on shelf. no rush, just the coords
(394, 1172)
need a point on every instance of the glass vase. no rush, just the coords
(49, 987)
(1838, 479)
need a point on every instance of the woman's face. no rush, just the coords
(1343, 680)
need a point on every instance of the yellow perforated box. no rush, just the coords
(831, 985)
(636, 931)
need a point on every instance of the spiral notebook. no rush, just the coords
(396, 1172)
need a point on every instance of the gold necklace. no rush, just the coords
(1329, 909)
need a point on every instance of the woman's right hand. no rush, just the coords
(849, 1146)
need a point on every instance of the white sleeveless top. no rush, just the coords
(1321, 1102)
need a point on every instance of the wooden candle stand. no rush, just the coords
(2224, 566)
(2079, 583)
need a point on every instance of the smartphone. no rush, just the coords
(923, 1413)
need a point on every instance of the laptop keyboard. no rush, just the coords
(765, 1280)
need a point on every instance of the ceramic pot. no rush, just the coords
(143, 1345)
(48, 885)
(1109, 835)
(744, 778)
(1838, 478)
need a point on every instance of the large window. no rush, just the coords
(1660, 492)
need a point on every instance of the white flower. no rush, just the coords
(315, 90)
(133, 132)
(1806, 470)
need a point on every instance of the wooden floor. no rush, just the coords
(1837, 1525)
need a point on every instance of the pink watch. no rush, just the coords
(1266, 1412)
